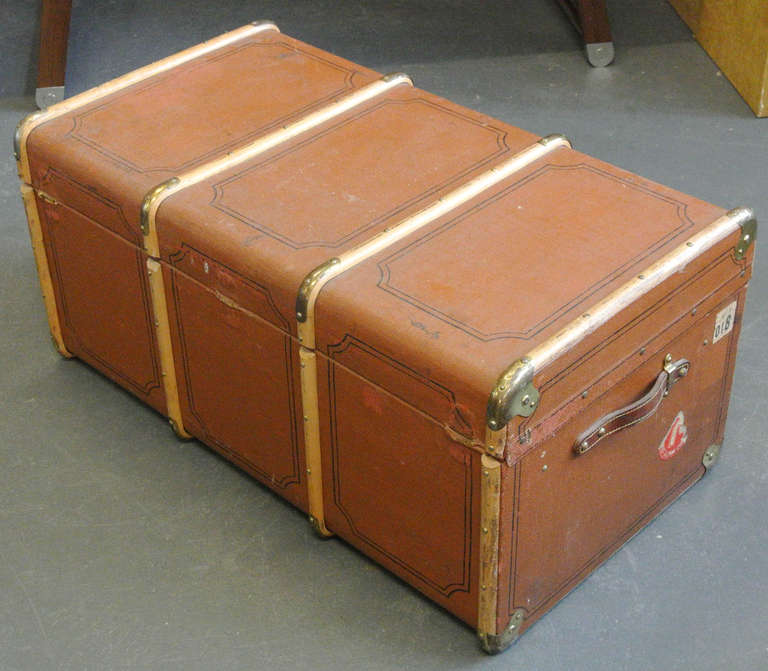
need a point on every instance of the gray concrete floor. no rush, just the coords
(121, 548)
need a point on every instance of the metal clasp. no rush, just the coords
(675, 370)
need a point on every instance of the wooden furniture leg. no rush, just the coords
(52, 61)
(591, 19)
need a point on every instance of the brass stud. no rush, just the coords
(601, 431)
(668, 358)
(485, 530)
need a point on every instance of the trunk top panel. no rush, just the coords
(276, 216)
(462, 298)
(123, 144)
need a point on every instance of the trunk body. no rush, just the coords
(397, 313)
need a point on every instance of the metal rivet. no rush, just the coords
(584, 394)
(742, 273)
(642, 350)
(690, 244)
(303, 365)
(309, 471)
(491, 448)
(746, 238)
(485, 530)
(544, 467)
(586, 315)
(641, 277)
(157, 322)
(486, 474)
(706, 341)
(526, 400)
(482, 586)
(668, 358)
(601, 431)
(306, 419)
(693, 312)
(584, 445)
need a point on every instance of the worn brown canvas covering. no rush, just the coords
(397, 313)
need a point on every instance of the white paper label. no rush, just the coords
(724, 322)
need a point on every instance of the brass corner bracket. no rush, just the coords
(493, 644)
(319, 528)
(514, 395)
(555, 137)
(748, 224)
(149, 200)
(710, 456)
(309, 283)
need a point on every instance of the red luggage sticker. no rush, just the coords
(675, 438)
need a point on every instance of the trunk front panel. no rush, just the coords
(399, 488)
(238, 378)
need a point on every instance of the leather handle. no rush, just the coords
(635, 412)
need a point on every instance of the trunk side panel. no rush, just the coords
(102, 296)
(569, 513)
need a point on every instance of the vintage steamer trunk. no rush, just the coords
(480, 357)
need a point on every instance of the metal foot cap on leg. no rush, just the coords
(48, 95)
(600, 54)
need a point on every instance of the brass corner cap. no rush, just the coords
(265, 24)
(513, 395)
(555, 137)
(19, 128)
(493, 644)
(745, 218)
